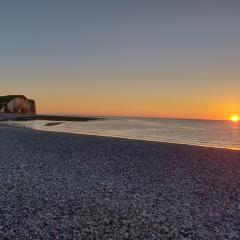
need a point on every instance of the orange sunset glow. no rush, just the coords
(235, 118)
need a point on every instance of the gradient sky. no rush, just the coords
(130, 58)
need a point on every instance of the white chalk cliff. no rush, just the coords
(17, 104)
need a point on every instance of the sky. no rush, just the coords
(151, 58)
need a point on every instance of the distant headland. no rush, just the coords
(17, 104)
(20, 108)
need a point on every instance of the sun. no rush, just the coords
(235, 118)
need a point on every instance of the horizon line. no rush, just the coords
(129, 116)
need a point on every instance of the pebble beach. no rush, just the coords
(69, 186)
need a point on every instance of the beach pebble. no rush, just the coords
(65, 186)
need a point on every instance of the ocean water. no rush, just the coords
(220, 134)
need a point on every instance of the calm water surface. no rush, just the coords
(221, 134)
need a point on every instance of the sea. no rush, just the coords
(218, 134)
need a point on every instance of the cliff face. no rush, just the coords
(17, 104)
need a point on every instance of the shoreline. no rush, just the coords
(112, 136)
(19, 117)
